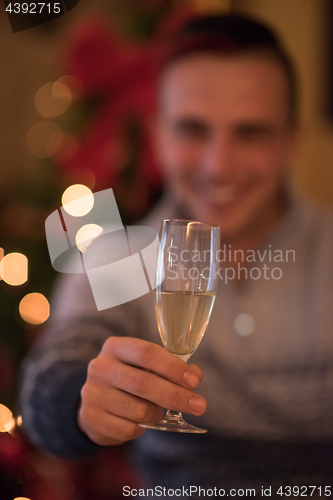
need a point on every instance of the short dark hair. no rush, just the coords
(232, 34)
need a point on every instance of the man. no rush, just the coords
(225, 133)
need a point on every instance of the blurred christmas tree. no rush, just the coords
(101, 141)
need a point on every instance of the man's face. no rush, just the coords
(224, 140)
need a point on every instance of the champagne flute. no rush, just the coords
(185, 297)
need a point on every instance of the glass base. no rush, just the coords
(174, 422)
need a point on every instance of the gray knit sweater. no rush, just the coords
(269, 390)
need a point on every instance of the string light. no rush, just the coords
(44, 139)
(77, 200)
(74, 84)
(5, 418)
(34, 308)
(14, 268)
(86, 235)
(10, 426)
(2, 253)
(244, 324)
(53, 99)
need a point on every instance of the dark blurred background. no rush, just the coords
(76, 98)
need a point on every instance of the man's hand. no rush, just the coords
(132, 381)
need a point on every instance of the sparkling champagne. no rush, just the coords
(182, 318)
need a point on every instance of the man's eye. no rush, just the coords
(253, 134)
(191, 130)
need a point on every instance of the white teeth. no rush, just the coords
(221, 194)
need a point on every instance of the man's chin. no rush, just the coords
(222, 214)
(236, 220)
(231, 227)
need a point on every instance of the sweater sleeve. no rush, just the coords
(49, 415)
(55, 371)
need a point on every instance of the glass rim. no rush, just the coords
(187, 221)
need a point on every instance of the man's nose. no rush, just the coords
(218, 161)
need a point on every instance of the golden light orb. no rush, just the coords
(14, 268)
(2, 253)
(44, 139)
(10, 426)
(74, 84)
(53, 99)
(86, 235)
(5, 418)
(77, 200)
(34, 308)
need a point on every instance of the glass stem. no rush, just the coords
(176, 416)
(173, 416)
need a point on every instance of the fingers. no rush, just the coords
(139, 353)
(112, 430)
(123, 404)
(157, 390)
(109, 416)
(131, 381)
(198, 371)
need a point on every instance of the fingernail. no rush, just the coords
(197, 404)
(191, 380)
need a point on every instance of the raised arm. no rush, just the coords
(88, 382)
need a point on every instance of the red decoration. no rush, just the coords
(120, 77)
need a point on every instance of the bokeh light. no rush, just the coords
(2, 253)
(44, 139)
(21, 498)
(14, 268)
(53, 99)
(5, 418)
(34, 308)
(10, 426)
(244, 324)
(73, 83)
(86, 235)
(77, 200)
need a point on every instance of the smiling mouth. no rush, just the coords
(220, 196)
